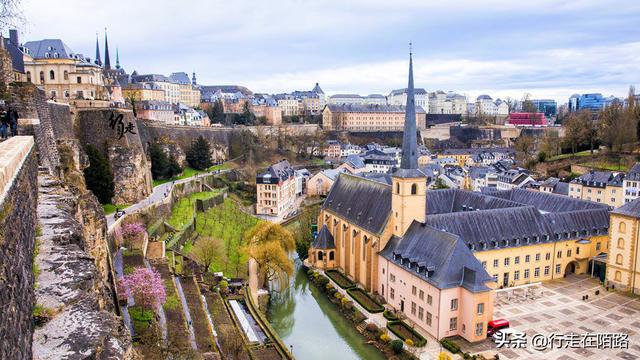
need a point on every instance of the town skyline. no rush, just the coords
(364, 55)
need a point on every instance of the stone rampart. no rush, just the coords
(19, 167)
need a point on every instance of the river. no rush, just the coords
(305, 319)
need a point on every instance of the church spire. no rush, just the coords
(107, 61)
(117, 59)
(98, 61)
(409, 138)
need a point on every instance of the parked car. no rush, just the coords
(495, 325)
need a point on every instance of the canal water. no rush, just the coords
(305, 319)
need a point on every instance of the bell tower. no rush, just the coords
(409, 185)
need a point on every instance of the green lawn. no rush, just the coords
(189, 172)
(605, 165)
(566, 156)
(227, 223)
(110, 208)
(183, 210)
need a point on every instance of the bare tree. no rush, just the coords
(207, 250)
(10, 14)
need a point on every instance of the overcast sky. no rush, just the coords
(548, 48)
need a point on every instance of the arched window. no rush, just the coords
(331, 255)
(41, 77)
(364, 248)
(66, 75)
(397, 188)
(619, 259)
(622, 227)
(52, 75)
(620, 243)
(414, 189)
(618, 276)
(320, 255)
(28, 75)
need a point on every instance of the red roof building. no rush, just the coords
(527, 119)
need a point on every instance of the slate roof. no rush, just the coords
(316, 89)
(634, 173)
(324, 240)
(374, 108)
(226, 89)
(600, 179)
(180, 78)
(277, 172)
(544, 201)
(48, 48)
(379, 177)
(631, 208)
(419, 91)
(438, 257)
(355, 161)
(17, 59)
(363, 202)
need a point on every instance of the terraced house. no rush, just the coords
(439, 255)
(604, 187)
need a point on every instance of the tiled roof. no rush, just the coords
(438, 257)
(364, 203)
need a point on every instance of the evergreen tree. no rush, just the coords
(218, 112)
(98, 175)
(173, 169)
(159, 162)
(199, 154)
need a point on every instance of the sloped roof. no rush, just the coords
(545, 201)
(454, 200)
(316, 89)
(631, 208)
(363, 202)
(180, 78)
(48, 48)
(355, 161)
(225, 88)
(324, 240)
(634, 173)
(438, 257)
(600, 179)
(375, 176)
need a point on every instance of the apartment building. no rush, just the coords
(368, 118)
(604, 187)
(276, 190)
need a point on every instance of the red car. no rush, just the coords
(495, 325)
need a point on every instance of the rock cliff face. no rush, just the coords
(131, 171)
(72, 286)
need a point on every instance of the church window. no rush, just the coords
(66, 75)
(52, 75)
(414, 189)
(397, 188)
(620, 243)
(41, 77)
(619, 259)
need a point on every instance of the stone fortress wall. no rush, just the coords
(18, 198)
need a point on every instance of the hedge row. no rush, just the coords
(365, 300)
(340, 279)
(404, 332)
(450, 345)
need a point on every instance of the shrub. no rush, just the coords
(404, 331)
(444, 356)
(409, 342)
(310, 272)
(323, 281)
(396, 346)
(371, 327)
(344, 300)
(385, 337)
(338, 295)
(172, 303)
(328, 287)
(450, 345)
(332, 291)
(358, 317)
(389, 315)
(98, 175)
(223, 284)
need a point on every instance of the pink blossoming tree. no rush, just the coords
(131, 232)
(145, 286)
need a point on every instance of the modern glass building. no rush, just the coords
(546, 106)
(593, 102)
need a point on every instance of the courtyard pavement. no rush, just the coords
(558, 308)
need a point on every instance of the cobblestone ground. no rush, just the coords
(559, 308)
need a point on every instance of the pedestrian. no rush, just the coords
(4, 123)
(13, 120)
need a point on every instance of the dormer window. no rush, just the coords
(494, 243)
(505, 243)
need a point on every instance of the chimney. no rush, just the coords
(13, 37)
